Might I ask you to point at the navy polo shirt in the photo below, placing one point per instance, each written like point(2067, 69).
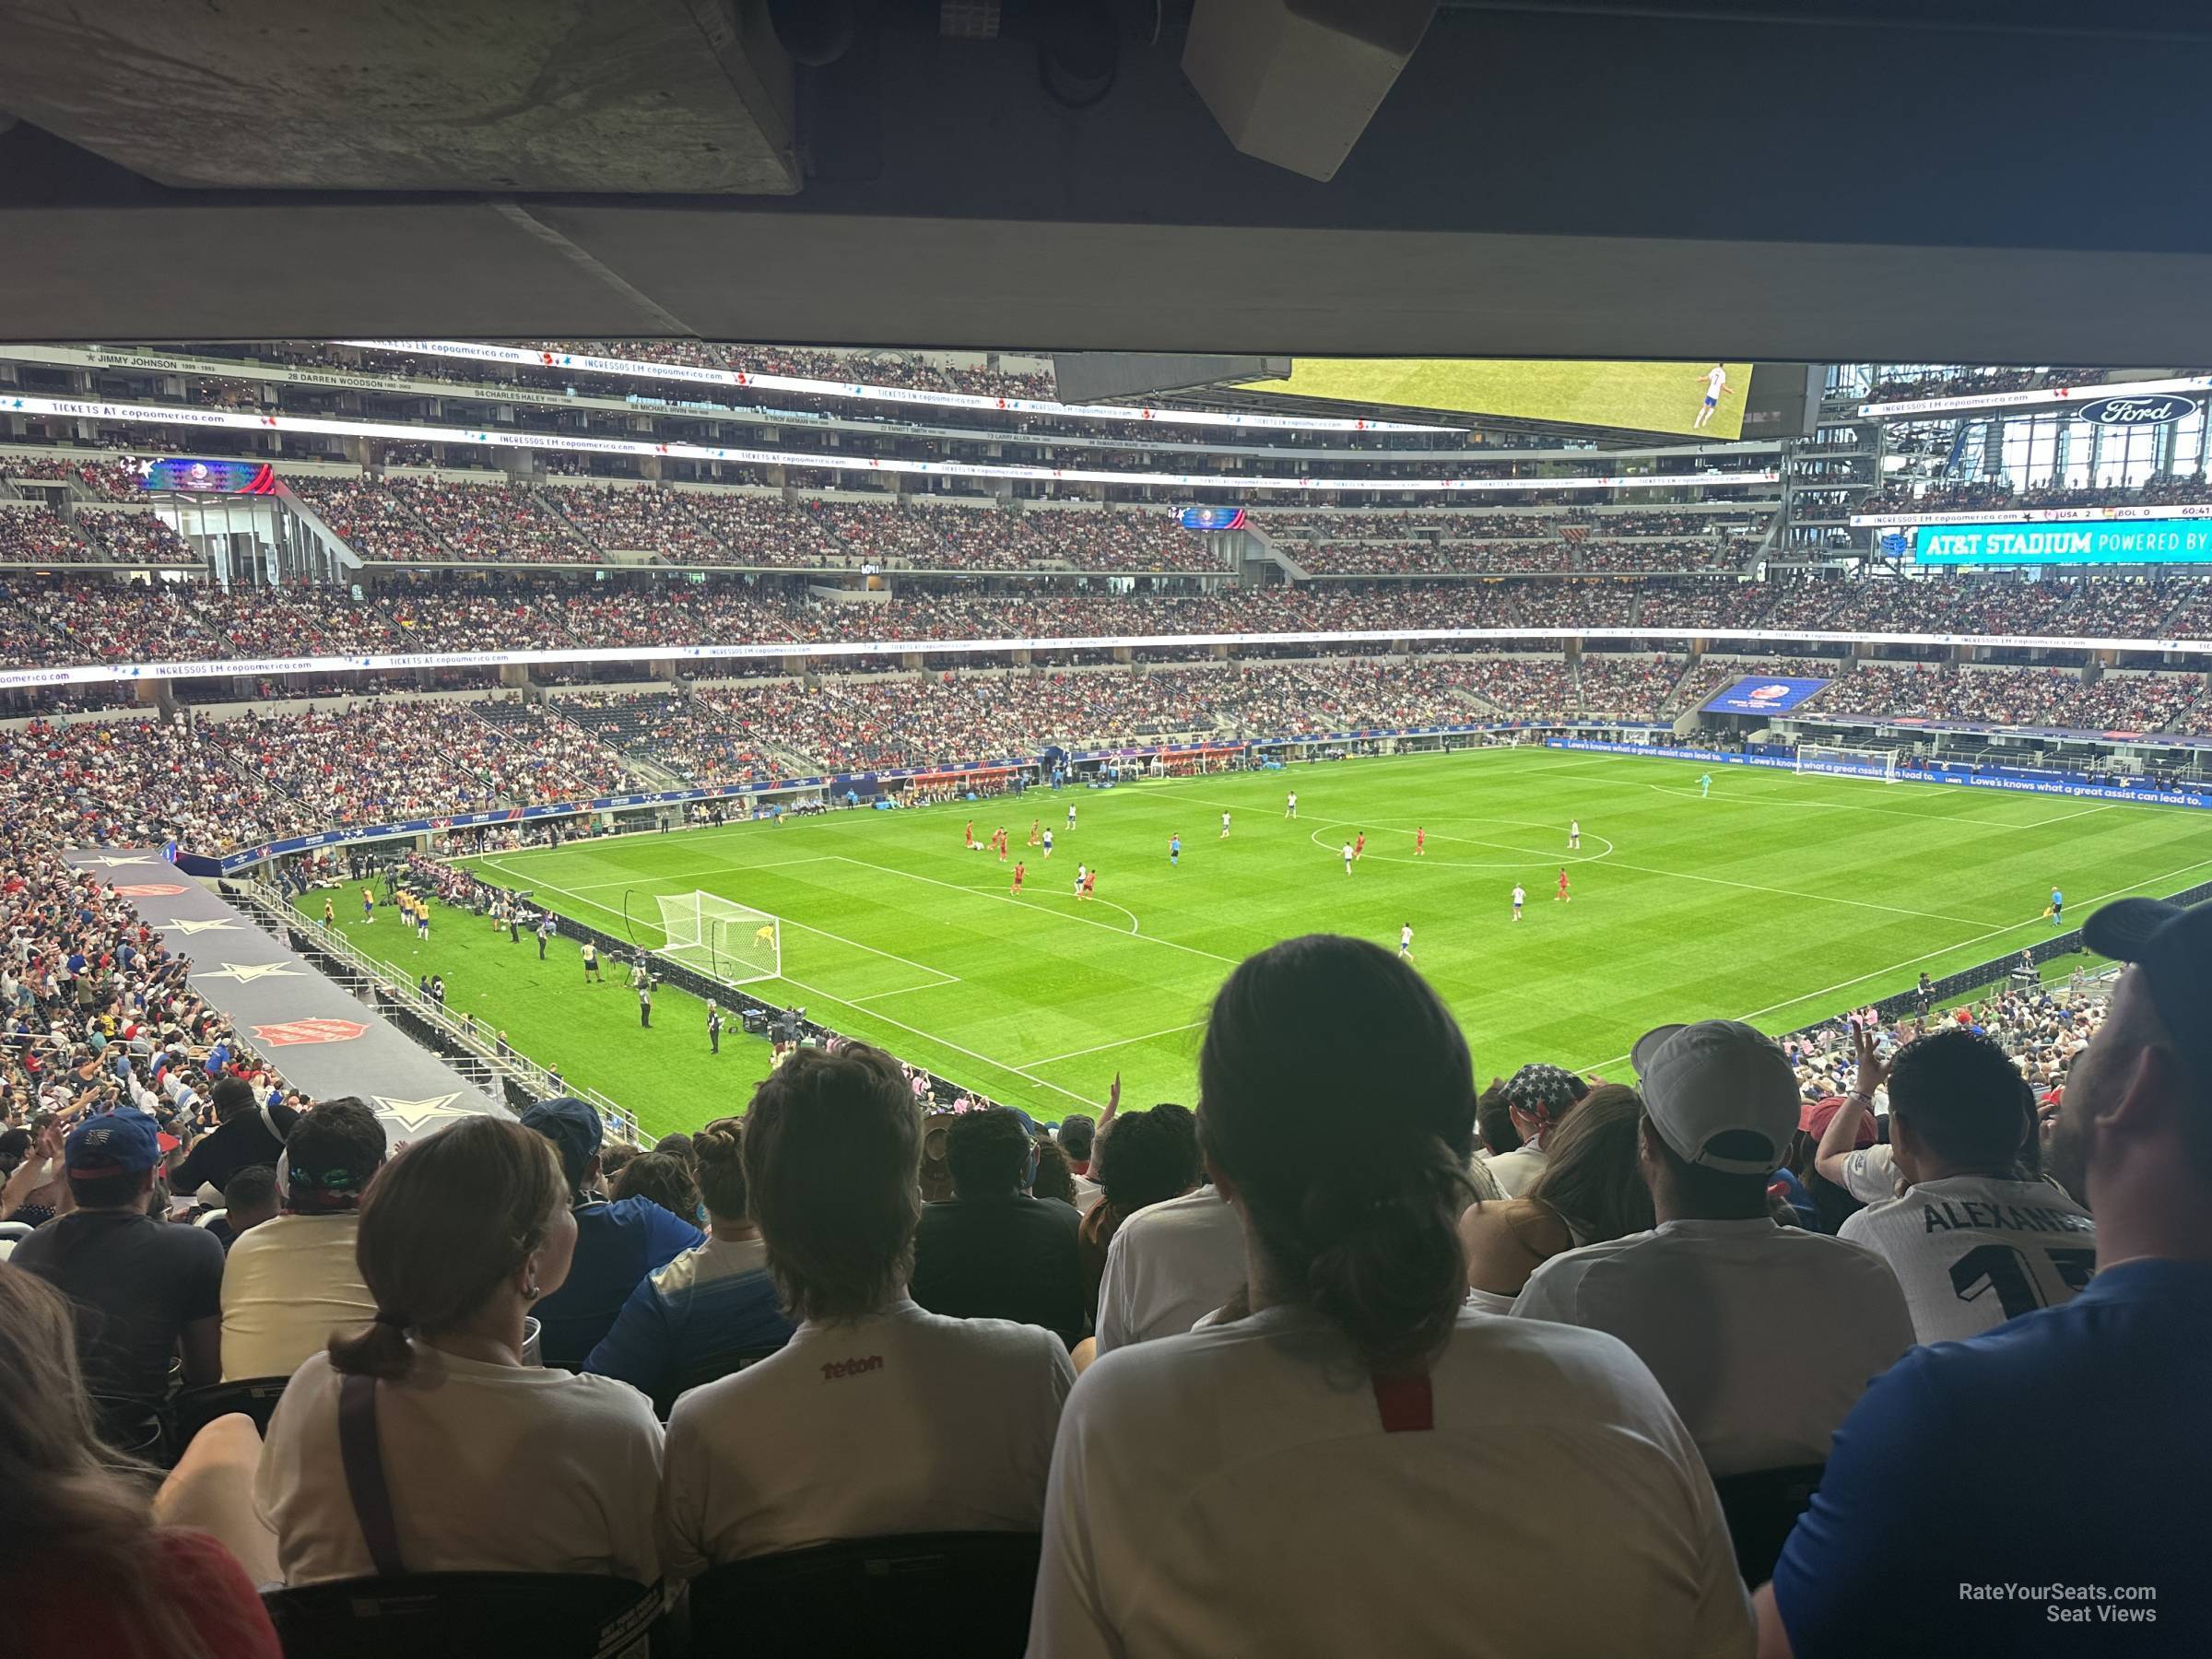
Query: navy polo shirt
point(2038, 1489)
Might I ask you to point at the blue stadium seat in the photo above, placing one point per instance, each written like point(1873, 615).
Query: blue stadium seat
point(256, 1396)
point(947, 1592)
point(468, 1616)
point(1761, 1507)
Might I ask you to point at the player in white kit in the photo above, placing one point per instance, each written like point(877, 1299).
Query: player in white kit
point(1716, 385)
point(1575, 835)
point(1405, 940)
point(1347, 858)
point(1290, 806)
point(1224, 826)
point(1520, 897)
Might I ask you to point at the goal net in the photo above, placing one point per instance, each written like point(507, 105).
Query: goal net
point(734, 942)
point(1835, 762)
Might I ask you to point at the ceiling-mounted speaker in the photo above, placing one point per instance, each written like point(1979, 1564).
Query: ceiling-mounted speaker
point(1295, 82)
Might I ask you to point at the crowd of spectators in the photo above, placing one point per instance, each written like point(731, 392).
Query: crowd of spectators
point(645, 518)
point(917, 370)
point(137, 783)
point(40, 535)
point(107, 479)
point(1714, 1317)
point(389, 759)
point(2056, 698)
point(1616, 687)
point(1973, 383)
point(83, 619)
point(1996, 494)
point(140, 538)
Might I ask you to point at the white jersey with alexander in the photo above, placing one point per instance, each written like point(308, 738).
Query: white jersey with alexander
point(1973, 1250)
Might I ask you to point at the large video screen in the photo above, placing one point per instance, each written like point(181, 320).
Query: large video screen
point(1644, 397)
point(1762, 694)
point(2136, 541)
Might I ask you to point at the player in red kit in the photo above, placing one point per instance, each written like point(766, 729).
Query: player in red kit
point(1420, 842)
point(1090, 882)
point(1359, 846)
point(1019, 871)
point(1561, 895)
point(968, 835)
point(1032, 832)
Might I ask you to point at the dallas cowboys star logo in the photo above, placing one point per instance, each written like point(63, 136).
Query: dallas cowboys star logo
point(218, 925)
point(245, 973)
point(414, 1116)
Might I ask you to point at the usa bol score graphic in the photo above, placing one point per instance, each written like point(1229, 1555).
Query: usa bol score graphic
point(1763, 694)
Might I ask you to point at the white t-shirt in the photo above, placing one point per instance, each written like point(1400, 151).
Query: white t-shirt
point(1973, 1252)
point(1763, 1336)
point(1170, 1265)
point(1716, 377)
point(1235, 1491)
point(1516, 1171)
point(492, 1468)
point(287, 1284)
point(1519, 896)
point(905, 1421)
point(1870, 1174)
point(1087, 1193)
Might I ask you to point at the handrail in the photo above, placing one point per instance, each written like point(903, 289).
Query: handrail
point(464, 1030)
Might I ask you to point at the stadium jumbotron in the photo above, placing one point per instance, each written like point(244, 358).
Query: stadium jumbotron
point(990, 914)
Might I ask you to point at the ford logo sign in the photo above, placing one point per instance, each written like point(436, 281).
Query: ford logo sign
point(2122, 411)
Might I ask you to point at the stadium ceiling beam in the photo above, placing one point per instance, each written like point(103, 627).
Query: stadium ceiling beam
point(1986, 195)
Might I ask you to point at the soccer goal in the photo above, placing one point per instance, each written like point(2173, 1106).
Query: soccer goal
point(1835, 762)
point(734, 942)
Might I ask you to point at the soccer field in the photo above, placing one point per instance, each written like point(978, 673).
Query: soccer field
point(1781, 899)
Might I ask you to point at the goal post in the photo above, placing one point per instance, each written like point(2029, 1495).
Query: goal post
point(1836, 760)
point(731, 942)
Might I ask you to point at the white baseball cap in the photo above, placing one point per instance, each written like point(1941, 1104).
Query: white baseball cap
point(1716, 1078)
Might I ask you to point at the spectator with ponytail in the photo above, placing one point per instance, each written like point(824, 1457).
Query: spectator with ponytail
point(1591, 1190)
point(1317, 1476)
point(492, 1465)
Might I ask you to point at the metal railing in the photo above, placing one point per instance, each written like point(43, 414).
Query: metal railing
point(473, 1052)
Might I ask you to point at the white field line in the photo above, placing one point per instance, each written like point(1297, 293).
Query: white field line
point(932, 1037)
point(1024, 904)
point(1927, 956)
point(1191, 1025)
point(943, 978)
point(721, 869)
point(1770, 799)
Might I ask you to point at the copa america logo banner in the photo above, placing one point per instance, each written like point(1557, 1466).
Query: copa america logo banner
point(1213, 518)
point(1763, 694)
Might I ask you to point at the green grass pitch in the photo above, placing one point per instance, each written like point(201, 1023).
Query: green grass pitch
point(1651, 397)
point(1781, 899)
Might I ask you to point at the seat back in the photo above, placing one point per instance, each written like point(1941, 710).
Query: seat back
point(1761, 1507)
point(135, 1428)
point(256, 1396)
point(465, 1616)
point(948, 1593)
